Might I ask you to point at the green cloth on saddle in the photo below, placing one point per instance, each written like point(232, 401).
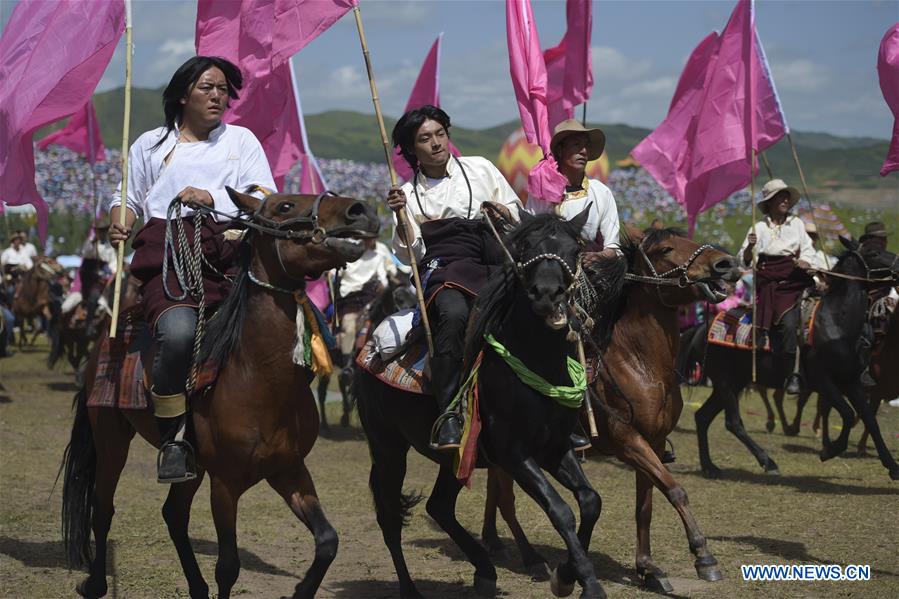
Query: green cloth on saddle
point(569, 397)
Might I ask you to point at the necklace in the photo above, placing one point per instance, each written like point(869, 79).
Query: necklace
point(418, 198)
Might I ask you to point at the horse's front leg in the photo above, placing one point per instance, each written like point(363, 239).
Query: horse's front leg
point(324, 428)
point(176, 513)
point(530, 478)
point(224, 498)
point(860, 402)
point(296, 488)
point(763, 393)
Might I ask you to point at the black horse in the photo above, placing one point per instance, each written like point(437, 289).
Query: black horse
point(832, 365)
point(525, 309)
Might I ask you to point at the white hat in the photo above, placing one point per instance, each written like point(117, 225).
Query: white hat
point(811, 229)
point(774, 186)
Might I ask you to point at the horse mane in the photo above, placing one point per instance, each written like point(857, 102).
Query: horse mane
point(224, 328)
point(495, 300)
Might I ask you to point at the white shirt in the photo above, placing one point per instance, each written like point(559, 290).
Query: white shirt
point(373, 263)
point(29, 249)
point(231, 156)
point(788, 239)
point(448, 198)
point(16, 257)
point(822, 261)
point(603, 215)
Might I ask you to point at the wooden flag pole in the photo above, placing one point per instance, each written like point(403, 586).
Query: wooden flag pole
point(755, 287)
point(808, 198)
point(120, 258)
point(402, 217)
point(767, 166)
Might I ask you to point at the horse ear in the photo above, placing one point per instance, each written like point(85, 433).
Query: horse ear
point(244, 201)
point(580, 220)
point(848, 243)
point(525, 217)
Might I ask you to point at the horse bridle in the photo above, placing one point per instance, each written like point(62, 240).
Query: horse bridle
point(665, 278)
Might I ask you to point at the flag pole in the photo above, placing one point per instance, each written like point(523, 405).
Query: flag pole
point(755, 257)
point(767, 166)
point(402, 217)
point(120, 258)
point(808, 198)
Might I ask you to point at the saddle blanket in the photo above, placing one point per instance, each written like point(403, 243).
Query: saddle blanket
point(119, 380)
point(405, 372)
point(734, 327)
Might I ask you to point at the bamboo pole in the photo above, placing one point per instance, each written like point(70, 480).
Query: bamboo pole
point(591, 419)
point(767, 166)
point(120, 258)
point(402, 216)
point(808, 198)
point(755, 287)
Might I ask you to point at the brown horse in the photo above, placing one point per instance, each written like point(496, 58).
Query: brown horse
point(638, 402)
point(258, 422)
point(32, 297)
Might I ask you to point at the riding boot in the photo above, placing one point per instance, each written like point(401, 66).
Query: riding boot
point(668, 456)
point(175, 462)
point(793, 384)
point(444, 386)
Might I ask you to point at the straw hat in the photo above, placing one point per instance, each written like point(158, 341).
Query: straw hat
point(596, 139)
point(774, 186)
point(811, 229)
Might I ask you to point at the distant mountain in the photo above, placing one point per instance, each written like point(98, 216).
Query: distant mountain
point(829, 162)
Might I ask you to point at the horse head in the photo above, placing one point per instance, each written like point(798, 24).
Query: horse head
point(683, 270)
point(869, 262)
point(546, 250)
point(296, 236)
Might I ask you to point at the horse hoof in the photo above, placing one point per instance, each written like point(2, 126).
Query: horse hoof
point(712, 472)
point(594, 593)
point(773, 471)
point(484, 587)
point(769, 426)
point(791, 431)
point(655, 582)
point(88, 589)
point(707, 569)
point(828, 454)
point(559, 587)
point(539, 572)
point(894, 474)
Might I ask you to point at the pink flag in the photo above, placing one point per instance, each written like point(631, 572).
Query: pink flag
point(569, 68)
point(529, 82)
point(81, 134)
point(425, 91)
point(246, 33)
point(694, 71)
point(298, 22)
point(888, 70)
point(52, 55)
point(701, 152)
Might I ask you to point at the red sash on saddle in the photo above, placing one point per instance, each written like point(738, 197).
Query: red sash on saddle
point(779, 285)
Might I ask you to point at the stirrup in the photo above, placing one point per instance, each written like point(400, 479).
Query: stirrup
point(189, 472)
point(445, 418)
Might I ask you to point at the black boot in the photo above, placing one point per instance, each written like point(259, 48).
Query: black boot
point(793, 384)
point(444, 385)
point(579, 443)
point(175, 462)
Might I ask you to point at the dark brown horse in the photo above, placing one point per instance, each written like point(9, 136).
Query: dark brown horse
point(259, 420)
point(33, 298)
point(639, 403)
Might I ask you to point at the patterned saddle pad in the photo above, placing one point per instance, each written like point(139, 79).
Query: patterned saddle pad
point(734, 327)
point(119, 381)
point(404, 372)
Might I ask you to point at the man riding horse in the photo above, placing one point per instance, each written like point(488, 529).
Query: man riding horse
point(192, 158)
point(784, 256)
point(456, 249)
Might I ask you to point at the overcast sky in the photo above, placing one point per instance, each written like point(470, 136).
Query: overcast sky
point(823, 55)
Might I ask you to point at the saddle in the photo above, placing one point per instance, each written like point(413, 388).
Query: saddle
point(733, 328)
point(406, 371)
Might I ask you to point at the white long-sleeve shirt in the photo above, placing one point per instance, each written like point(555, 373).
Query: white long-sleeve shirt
point(231, 156)
point(448, 198)
point(788, 239)
point(16, 257)
point(603, 215)
point(373, 263)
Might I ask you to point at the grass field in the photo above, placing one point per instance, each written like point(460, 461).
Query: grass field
point(840, 512)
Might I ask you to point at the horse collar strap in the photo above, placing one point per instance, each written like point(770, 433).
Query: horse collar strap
point(269, 286)
point(569, 397)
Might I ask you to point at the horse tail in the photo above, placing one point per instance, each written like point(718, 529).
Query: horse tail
point(399, 506)
point(79, 469)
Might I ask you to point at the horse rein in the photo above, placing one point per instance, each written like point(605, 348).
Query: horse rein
point(891, 278)
point(664, 278)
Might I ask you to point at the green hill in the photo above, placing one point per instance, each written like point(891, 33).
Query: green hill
point(832, 164)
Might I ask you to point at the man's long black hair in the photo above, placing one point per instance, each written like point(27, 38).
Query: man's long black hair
point(405, 129)
point(183, 81)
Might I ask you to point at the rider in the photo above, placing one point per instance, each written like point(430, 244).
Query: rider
point(192, 158)
point(881, 299)
point(444, 201)
point(785, 254)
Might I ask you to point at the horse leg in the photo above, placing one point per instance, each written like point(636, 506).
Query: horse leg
point(636, 451)
point(831, 396)
point(489, 536)
point(324, 428)
point(298, 490)
point(392, 507)
point(571, 476)
point(534, 563)
point(112, 439)
point(793, 429)
point(779, 404)
point(769, 421)
point(734, 424)
point(176, 513)
point(704, 417)
point(343, 383)
point(860, 403)
point(441, 507)
point(874, 406)
point(529, 477)
point(224, 499)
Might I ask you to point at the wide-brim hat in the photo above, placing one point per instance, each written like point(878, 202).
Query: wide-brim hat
point(775, 186)
point(874, 229)
point(811, 228)
point(596, 139)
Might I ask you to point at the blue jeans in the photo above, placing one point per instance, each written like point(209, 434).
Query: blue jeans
point(174, 334)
